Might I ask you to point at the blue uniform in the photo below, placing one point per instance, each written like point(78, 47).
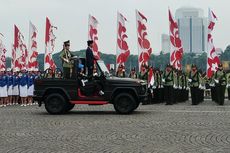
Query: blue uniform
point(23, 80)
point(9, 80)
point(3, 80)
point(16, 80)
point(30, 80)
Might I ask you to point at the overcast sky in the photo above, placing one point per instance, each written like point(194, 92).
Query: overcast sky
point(71, 18)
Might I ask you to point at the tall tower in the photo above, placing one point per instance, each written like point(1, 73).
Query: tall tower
point(192, 29)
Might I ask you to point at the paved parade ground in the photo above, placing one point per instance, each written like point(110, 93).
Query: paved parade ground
point(152, 128)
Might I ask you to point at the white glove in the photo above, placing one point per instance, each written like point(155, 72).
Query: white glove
point(154, 87)
point(203, 87)
point(187, 88)
point(189, 80)
point(180, 87)
point(174, 86)
point(163, 80)
point(228, 85)
point(66, 60)
point(200, 86)
point(162, 86)
point(217, 81)
point(184, 87)
point(151, 91)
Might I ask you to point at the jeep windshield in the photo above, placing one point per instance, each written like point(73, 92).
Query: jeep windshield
point(103, 68)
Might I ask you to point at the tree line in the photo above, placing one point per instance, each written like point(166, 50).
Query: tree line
point(157, 61)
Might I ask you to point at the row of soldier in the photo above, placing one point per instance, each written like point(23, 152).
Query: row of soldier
point(173, 86)
point(17, 87)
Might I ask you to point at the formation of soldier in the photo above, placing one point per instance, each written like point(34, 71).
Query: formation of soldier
point(172, 86)
point(17, 87)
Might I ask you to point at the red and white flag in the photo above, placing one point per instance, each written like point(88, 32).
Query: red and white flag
point(123, 51)
point(93, 35)
point(20, 50)
point(2, 54)
point(13, 58)
point(212, 57)
point(151, 77)
point(144, 48)
point(49, 46)
point(32, 49)
point(176, 49)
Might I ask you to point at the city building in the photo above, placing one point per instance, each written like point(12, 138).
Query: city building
point(165, 43)
point(192, 29)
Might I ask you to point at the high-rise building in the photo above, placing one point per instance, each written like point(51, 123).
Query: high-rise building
point(165, 43)
point(192, 29)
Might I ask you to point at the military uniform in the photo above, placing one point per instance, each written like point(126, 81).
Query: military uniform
point(202, 87)
point(168, 80)
point(228, 80)
point(213, 89)
point(194, 80)
point(156, 87)
point(161, 87)
point(133, 74)
point(67, 64)
point(220, 83)
point(120, 74)
point(176, 88)
point(184, 87)
point(143, 75)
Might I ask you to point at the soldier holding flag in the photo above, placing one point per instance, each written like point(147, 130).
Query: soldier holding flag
point(220, 82)
point(168, 80)
point(194, 81)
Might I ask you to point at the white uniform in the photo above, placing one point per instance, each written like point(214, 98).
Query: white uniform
point(10, 90)
point(31, 90)
point(15, 89)
point(23, 91)
point(23, 86)
point(3, 91)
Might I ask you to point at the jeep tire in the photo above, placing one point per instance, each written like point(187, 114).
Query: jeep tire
point(124, 103)
point(55, 104)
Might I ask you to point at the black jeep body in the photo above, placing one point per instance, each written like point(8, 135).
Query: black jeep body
point(60, 95)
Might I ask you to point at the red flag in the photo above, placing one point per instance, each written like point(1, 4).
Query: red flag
point(123, 51)
point(2, 55)
point(93, 35)
point(32, 49)
point(176, 49)
point(20, 50)
point(150, 77)
point(49, 45)
point(13, 58)
point(144, 48)
point(212, 57)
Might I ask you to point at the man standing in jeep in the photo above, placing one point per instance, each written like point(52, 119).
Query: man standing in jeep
point(65, 56)
point(90, 59)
